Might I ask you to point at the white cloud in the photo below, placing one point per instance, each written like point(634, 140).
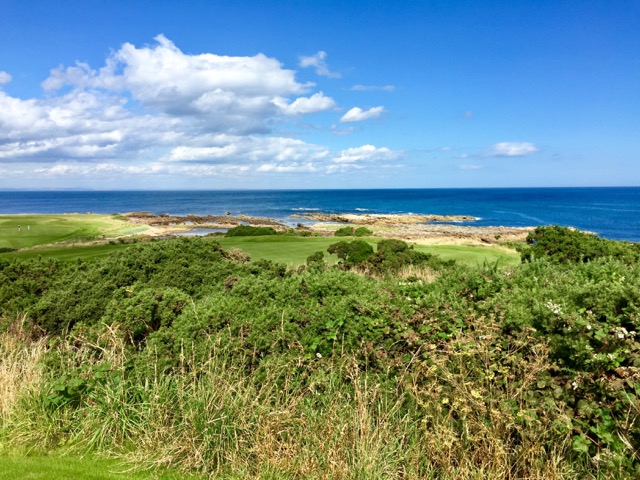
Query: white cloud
point(155, 112)
point(373, 88)
point(290, 168)
point(356, 114)
point(249, 150)
point(366, 153)
point(513, 149)
point(318, 102)
point(234, 94)
point(318, 62)
point(4, 77)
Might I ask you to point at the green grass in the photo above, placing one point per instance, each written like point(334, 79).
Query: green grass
point(277, 248)
point(65, 468)
point(70, 253)
point(472, 254)
point(27, 231)
point(295, 250)
point(59, 236)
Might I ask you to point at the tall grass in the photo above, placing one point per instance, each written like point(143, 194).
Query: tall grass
point(20, 369)
point(453, 410)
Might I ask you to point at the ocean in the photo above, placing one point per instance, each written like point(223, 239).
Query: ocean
point(611, 212)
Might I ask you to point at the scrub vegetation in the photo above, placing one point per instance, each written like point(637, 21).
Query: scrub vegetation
point(371, 360)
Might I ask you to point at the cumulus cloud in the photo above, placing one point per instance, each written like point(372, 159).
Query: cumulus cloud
point(318, 102)
point(356, 114)
point(233, 94)
point(155, 111)
point(513, 149)
point(4, 78)
point(318, 61)
point(373, 88)
point(366, 153)
point(249, 150)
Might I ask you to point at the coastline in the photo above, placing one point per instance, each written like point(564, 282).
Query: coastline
point(420, 229)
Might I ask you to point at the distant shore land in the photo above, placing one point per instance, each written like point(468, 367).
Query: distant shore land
point(426, 229)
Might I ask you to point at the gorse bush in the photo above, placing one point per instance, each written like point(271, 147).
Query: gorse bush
point(353, 232)
point(390, 256)
point(562, 244)
point(351, 253)
point(249, 231)
point(177, 353)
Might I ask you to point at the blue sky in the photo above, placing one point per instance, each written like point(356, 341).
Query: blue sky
point(318, 94)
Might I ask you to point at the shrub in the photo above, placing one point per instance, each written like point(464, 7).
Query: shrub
point(249, 231)
point(351, 253)
point(362, 232)
point(344, 232)
point(562, 244)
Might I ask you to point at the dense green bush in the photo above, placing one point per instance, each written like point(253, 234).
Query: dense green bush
point(353, 232)
point(249, 231)
point(351, 253)
point(390, 256)
point(344, 232)
point(362, 232)
point(562, 244)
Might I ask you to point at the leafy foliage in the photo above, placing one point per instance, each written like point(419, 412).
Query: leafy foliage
point(483, 362)
point(562, 244)
point(351, 253)
point(344, 232)
point(353, 232)
point(249, 231)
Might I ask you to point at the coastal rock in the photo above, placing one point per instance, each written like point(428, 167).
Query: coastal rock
point(212, 221)
point(381, 220)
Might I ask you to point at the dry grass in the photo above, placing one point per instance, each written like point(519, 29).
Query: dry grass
point(20, 372)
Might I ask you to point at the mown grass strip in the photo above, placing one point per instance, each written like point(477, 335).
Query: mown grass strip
point(65, 468)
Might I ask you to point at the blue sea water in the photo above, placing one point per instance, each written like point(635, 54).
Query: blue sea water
point(611, 212)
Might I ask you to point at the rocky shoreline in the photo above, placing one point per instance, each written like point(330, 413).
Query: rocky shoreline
point(425, 229)
point(381, 219)
point(213, 221)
